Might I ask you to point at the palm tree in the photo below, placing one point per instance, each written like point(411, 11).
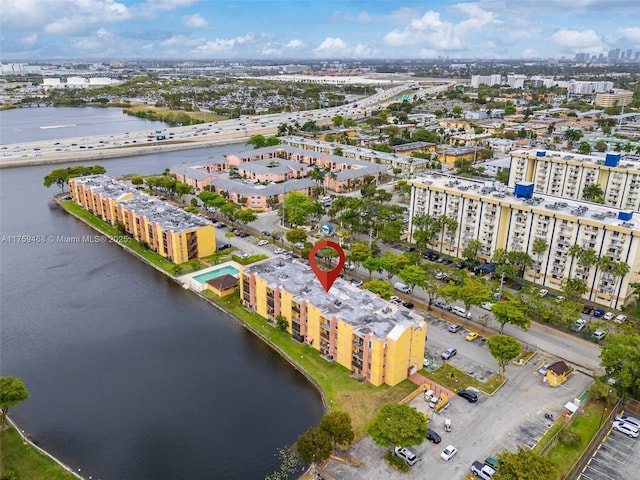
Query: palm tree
point(604, 264)
point(574, 252)
point(620, 270)
point(447, 224)
point(539, 247)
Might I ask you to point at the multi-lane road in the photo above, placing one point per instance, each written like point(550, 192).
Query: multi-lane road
point(188, 137)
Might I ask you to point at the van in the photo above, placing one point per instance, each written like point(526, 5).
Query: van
point(401, 287)
point(460, 311)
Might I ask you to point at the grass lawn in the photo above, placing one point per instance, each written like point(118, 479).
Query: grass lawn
point(25, 462)
point(450, 377)
point(360, 399)
point(111, 231)
point(586, 425)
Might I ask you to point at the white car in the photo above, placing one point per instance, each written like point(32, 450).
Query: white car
point(629, 419)
point(620, 318)
point(544, 292)
point(262, 243)
point(608, 316)
point(278, 251)
point(626, 428)
point(407, 455)
point(395, 300)
point(448, 452)
point(486, 305)
point(599, 334)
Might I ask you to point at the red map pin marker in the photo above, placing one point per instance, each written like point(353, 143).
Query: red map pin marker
point(326, 277)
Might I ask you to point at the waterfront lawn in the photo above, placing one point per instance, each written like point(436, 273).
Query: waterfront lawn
point(167, 114)
point(586, 426)
point(20, 461)
point(450, 377)
point(110, 231)
point(360, 399)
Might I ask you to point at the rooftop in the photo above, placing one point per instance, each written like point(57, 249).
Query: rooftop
point(367, 312)
point(543, 204)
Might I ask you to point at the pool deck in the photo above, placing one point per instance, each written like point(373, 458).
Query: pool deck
point(189, 280)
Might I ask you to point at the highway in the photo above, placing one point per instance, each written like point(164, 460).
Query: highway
point(188, 137)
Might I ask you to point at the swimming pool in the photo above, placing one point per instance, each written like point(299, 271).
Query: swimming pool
point(228, 270)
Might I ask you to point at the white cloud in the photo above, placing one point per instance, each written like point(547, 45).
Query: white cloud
point(224, 45)
point(29, 40)
point(530, 53)
point(195, 21)
point(295, 43)
point(335, 47)
point(427, 30)
point(577, 40)
point(631, 33)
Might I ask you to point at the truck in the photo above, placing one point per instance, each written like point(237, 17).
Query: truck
point(482, 470)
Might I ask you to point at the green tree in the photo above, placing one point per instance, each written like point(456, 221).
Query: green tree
point(379, 287)
point(412, 275)
point(137, 180)
point(600, 146)
point(372, 264)
point(258, 141)
point(182, 189)
point(619, 270)
point(470, 252)
point(272, 141)
point(584, 148)
point(539, 248)
point(245, 216)
point(593, 193)
point(525, 464)
point(298, 207)
point(572, 136)
point(503, 176)
point(338, 427)
point(398, 425)
point(296, 235)
point(314, 446)
point(504, 349)
point(392, 263)
point(359, 253)
point(12, 392)
point(620, 357)
point(511, 312)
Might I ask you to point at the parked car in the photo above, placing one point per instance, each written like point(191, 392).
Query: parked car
point(544, 292)
point(587, 310)
point(620, 318)
point(265, 233)
point(442, 304)
point(448, 353)
point(407, 304)
point(628, 419)
point(407, 455)
point(608, 316)
point(469, 395)
point(298, 245)
point(598, 312)
point(395, 300)
point(262, 243)
point(579, 325)
point(356, 282)
point(278, 251)
point(433, 437)
point(626, 428)
point(223, 246)
point(471, 336)
point(454, 327)
point(599, 334)
point(486, 305)
point(448, 452)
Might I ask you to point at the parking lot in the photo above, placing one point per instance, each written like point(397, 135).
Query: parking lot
point(616, 457)
point(513, 416)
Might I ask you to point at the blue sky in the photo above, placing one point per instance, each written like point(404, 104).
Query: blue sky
point(275, 29)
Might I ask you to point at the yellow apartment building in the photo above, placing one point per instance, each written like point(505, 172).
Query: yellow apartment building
point(372, 338)
point(566, 174)
point(175, 234)
point(494, 215)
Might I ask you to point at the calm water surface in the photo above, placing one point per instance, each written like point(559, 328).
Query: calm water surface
point(130, 376)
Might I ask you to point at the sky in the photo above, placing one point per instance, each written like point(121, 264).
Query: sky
point(314, 29)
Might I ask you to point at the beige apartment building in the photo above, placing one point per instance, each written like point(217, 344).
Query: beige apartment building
point(616, 98)
point(493, 214)
point(566, 174)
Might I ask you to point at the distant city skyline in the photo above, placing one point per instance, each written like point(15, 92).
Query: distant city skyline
point(275, 29)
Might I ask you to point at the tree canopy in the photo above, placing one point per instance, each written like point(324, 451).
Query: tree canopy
point(503, 349)
point(620, 357)
point(61, 176)
point(512, 312)
point(338, 427)
point(398, 425)
point(314, 445)
point(12, 392)
point(298, 207)
point(379, 287)
point(525, 463)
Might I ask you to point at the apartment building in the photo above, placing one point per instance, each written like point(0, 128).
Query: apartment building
point(512, 218)
point(566, 174)
point(374, 339)
point(175, 234)
point(614, 98)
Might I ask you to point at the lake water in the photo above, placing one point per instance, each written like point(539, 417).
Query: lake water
point(130, 376)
